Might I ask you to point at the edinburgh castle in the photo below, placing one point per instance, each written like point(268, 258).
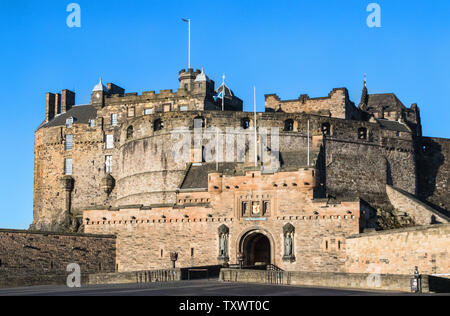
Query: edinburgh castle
point(336, 174)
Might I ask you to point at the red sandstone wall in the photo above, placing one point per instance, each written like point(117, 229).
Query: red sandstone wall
point(146, 237)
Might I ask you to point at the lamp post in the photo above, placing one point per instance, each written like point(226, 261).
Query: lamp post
point(240, 258)
point(416, 281)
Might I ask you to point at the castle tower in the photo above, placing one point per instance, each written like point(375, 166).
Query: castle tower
point(187, 78)
point(98, 94)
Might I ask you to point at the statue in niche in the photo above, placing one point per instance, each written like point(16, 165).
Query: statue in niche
point(288, 246)
point(224, 233)
point(288, 232)
point(224, 245)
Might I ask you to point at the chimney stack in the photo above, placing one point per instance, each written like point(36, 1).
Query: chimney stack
point(68, 100)
point(57, 103)
point(50, 107)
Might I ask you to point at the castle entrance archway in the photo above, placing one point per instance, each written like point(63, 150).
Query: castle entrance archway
point(256, 248)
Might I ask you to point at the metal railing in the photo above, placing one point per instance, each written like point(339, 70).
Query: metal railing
point(272, 267)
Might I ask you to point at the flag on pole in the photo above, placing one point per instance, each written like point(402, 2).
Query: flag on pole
point(219, 95)
point(184, 20)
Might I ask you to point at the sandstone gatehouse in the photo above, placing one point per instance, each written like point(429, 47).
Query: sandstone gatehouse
point(107, 168)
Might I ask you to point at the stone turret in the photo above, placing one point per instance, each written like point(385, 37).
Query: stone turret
point(187, 78)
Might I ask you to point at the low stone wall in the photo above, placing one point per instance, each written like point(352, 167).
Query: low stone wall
point(397, 283)
point(400, 251)
point(41, 258)
point(421, 213)
point(136, 277)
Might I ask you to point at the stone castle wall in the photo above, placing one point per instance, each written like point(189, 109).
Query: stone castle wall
point(40, 258)
point(420, 213)
point(337, 105)
point(433, 160)
point(145, 171)
point(359, 168)
point(145, 243)
point(88, 170)
point(400, 251)
point(147, 235)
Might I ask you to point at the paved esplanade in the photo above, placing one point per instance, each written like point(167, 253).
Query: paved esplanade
point(185, 288)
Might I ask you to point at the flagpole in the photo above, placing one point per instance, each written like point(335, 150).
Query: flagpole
point(308, 146)
point(217, 150)
point(223, 93)
point(188, 21)
point(189, 54)
point(256, 136)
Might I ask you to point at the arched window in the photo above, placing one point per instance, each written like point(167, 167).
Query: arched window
point(362, 133)
point(245, 123)
point(203, 154)
point(158, 125)
point(130, 132)
point(326, 129)
point(288, 125)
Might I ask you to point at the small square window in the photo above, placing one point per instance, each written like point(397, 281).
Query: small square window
point(148, 111)
point(91, 123)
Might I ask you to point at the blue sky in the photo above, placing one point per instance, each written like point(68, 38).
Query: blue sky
point(284, 47)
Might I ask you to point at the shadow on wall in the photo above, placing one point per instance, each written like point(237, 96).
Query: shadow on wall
point(200, 273)
point(430, 160)
point(388, 173)
point(439, 285)
point(320, 189)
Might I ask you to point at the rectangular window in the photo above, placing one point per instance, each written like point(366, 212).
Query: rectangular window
point(148, 111)
point(69, 142)
point(167, 107)
point(92, 123)
point(68, 167)
point(131, 112)
point(183, 108)
point(108, 164)
point(114, 119)
point(109, 141)
point(192, 252)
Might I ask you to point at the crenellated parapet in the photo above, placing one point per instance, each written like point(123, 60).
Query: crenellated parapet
point(336, 104)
